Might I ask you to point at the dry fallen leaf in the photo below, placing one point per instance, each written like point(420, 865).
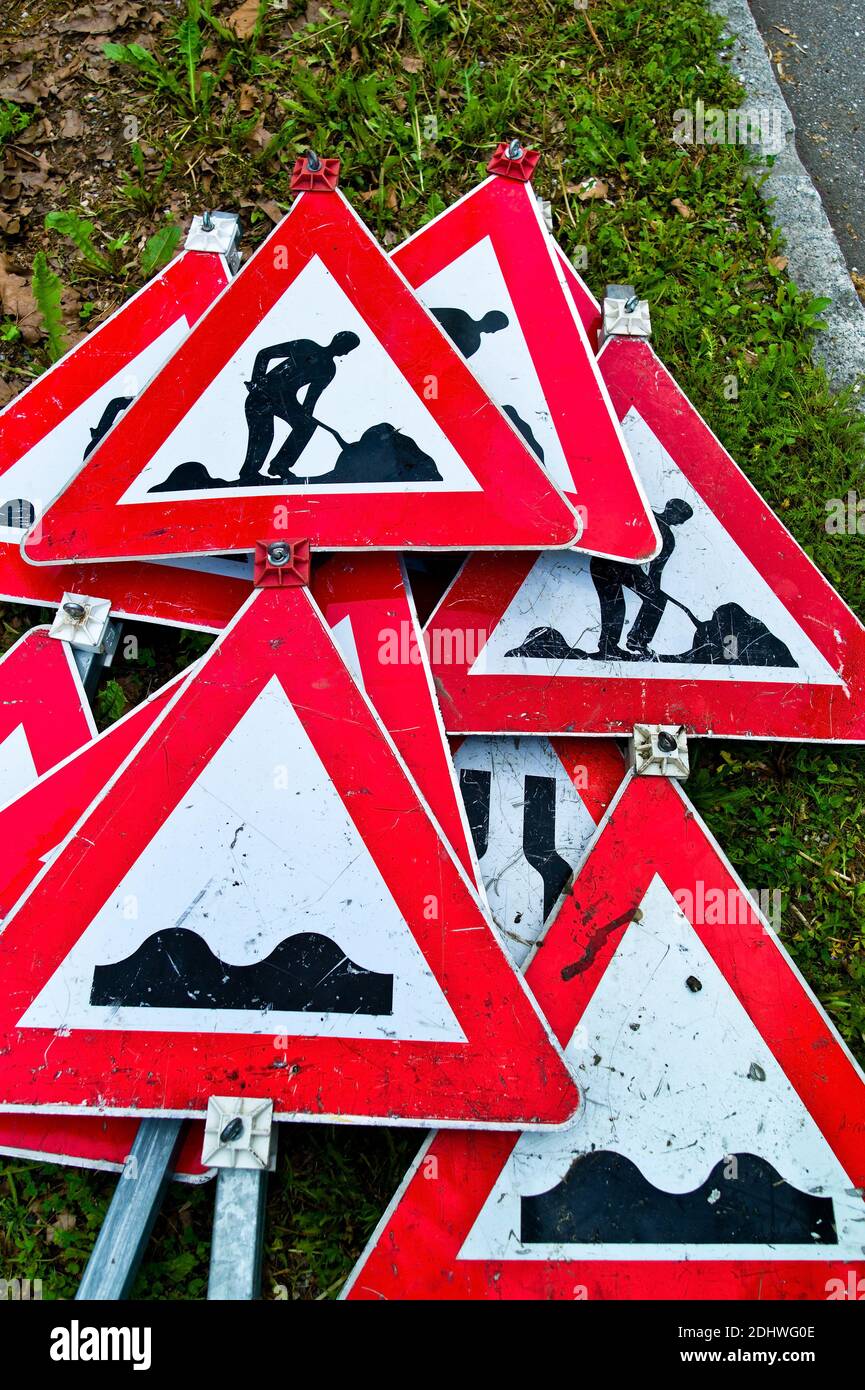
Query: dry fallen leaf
point(259, 138)
point(779, 262)
point(244, 19)
point(411, 63)
point(72, 127)
point(271, 209)
point(682, 208)
point(316, 12)
point(7, 392)
point(65, 1222)
point(18, 303)
point(9, 224)
point(859, 283)
point(591, 188)
point(96, 19)
point(15, 85)
point(246, 99)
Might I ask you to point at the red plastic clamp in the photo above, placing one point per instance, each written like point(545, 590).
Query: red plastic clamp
point(281, 564)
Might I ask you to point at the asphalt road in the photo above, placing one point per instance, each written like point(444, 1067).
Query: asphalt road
point(820, 64)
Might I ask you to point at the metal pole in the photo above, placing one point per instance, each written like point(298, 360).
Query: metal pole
point(121, 1242)
point(238, 1234)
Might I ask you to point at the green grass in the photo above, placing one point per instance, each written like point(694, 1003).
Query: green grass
point(366, 84)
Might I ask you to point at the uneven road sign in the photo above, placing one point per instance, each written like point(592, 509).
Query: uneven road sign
point(31, 829)
point(490, 273)
point(533, 806)
point(731, 631)
point(44, 712)
point(49, 429)
point(259, 902)
point(367, 603)
point(393, 445)
point(719, 1150)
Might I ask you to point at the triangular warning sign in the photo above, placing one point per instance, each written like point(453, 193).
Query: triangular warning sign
point(49, 429)
point(316, 381)
point(718, 1152)
point(367, 603)
point(533, 807)
point(365, 981)
point(44, 712)
point(490, 273)
point(730, 630)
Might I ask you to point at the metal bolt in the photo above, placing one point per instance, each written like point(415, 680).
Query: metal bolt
point(313, 163)
point(666, 742)
point(279, 553)
point(693, 984)
point(76, 611)
point(631, 304)
point(515, 149)
point(206, 222)
point(232, 1131)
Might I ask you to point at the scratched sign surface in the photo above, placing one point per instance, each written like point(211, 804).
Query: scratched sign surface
point(367, 603)
point(259, 897)
point(533, 807)
point(32, 826)
point(491, 275)
point(730, 630)
point(44, 712)
point(718, 1152)
point(316, 397)
point(48, 431)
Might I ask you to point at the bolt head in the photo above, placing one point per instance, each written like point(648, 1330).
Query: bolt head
point(76, 611)
point(666, 742)
point(279, 553)
point(232, 1131)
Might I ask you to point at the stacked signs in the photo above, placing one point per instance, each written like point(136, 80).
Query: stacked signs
point(277, 878)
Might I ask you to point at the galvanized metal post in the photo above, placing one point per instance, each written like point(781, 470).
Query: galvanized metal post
point(121, 1243)
point(238, 1234)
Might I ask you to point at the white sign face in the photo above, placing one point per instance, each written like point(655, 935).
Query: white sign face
point(688, 1123)
point(698, 611)
point(310, 395)
point(530, 829)
point(17, 768)
point(343, 635)
point(40, 474)
point(470, 299)
point(258, 873)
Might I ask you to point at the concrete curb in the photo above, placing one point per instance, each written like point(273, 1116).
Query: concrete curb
point(816, 262)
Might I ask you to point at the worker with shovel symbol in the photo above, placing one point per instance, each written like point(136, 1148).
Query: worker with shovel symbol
point(612, 577)
point(273, 395)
